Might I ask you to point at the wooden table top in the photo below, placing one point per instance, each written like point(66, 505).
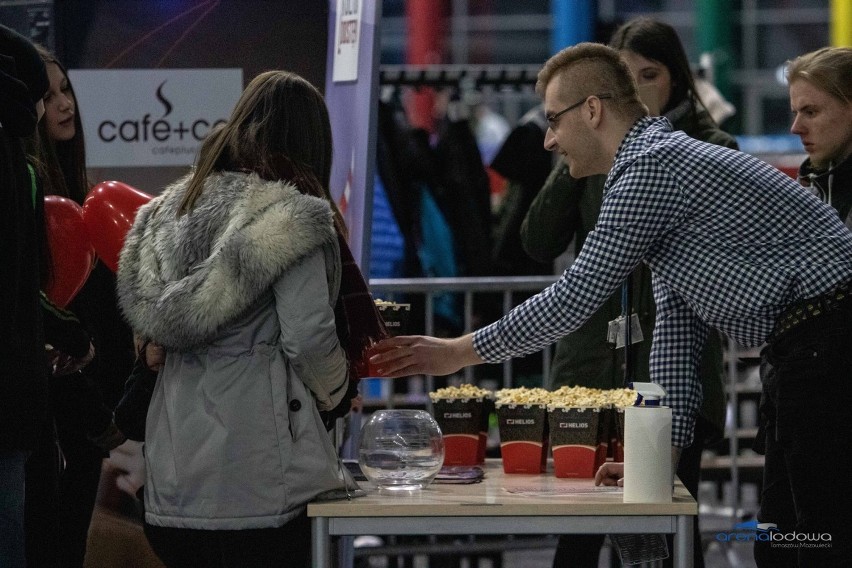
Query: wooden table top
point(501, 494)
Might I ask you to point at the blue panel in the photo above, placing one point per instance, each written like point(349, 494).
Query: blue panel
point(573, 22)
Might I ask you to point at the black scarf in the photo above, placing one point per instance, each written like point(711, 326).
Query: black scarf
point(359, 325)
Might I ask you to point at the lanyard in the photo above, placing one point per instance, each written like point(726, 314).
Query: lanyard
point(33, 183)
point(626, 311)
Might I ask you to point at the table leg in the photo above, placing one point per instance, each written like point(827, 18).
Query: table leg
point(683, 545)
point(346, 548)
point(320, 543)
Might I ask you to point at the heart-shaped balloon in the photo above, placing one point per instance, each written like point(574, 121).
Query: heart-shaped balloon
point(108, 212)
point(71, 252)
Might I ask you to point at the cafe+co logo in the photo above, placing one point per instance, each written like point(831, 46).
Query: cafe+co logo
point(176, 135)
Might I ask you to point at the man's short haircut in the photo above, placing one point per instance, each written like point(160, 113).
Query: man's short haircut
point(828, 69)
point(589, 69)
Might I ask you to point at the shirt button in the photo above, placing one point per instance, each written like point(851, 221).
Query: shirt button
point(295, 405)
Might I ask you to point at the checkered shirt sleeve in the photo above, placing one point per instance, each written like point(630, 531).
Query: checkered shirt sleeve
point(731, 241)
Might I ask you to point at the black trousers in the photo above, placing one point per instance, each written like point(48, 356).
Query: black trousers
point(289, 546)
point(582, 551)
point(78, 489)
point(805, 413)
point(41, 505)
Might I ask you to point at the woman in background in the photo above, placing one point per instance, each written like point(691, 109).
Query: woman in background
point(235, 270)
point(566, 208)
point(82, 403)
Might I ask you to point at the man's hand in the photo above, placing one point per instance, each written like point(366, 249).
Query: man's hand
point(422, 355)
point(63, 364)
point(128, 462)
point(610, 474)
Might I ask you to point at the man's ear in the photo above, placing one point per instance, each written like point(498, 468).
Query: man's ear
point(593, 112)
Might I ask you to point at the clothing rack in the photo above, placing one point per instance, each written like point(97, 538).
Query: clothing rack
point(464, 76)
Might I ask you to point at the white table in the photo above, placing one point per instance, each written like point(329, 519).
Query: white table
point(503, 504)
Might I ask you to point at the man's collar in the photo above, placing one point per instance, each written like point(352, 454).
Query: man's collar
point(627, 150)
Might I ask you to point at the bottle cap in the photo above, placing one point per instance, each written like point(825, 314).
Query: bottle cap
point(650, 393)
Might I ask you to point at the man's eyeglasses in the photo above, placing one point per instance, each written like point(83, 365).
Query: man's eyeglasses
point(553, 119)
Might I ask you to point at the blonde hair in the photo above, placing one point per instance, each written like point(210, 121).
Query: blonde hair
point(829, 69)
point(589, 69)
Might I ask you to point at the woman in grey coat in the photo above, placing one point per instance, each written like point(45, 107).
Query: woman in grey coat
point(235, 270)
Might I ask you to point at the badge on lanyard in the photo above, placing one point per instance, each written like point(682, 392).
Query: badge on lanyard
point(618, 334)
point(616, 331)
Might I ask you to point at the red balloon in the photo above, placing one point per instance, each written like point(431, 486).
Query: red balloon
point(71, 253)
point(108, 213)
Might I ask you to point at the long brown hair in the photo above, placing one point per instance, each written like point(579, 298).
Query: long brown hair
point(659, 42)
point(61, 164)
point(279, 130)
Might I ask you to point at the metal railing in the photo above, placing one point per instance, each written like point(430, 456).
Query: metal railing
point(468, 286)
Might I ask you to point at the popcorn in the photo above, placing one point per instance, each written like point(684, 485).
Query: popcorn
point(522, 395)
point(575, 421)
point(464, 391)
point(562, 397)
point(621, 398)
point(578, 396)
point(591, 397)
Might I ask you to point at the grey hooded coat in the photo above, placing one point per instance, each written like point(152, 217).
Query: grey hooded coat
point(240, 292)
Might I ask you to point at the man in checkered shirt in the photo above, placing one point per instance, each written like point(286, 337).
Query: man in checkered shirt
point(732, 243)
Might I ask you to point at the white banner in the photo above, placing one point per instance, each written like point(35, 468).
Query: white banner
point(151, 117)
point(347, 40)
point(353, 110)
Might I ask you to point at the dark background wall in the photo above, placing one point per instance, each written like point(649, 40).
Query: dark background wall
point(254, 35)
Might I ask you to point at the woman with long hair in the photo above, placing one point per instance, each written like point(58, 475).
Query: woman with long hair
point(82, 403)
point(658, 62)
point(235, 270)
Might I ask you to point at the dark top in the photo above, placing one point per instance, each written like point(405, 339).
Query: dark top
point(24, 415)
point(832, 185)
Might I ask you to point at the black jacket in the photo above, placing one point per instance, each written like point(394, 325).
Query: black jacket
point(30, 319)
point(833, 185)
point(24, 415)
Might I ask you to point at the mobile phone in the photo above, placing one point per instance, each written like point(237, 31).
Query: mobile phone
point(354, 470)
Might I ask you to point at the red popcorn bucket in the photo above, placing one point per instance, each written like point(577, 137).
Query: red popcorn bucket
point(576, 434)
point(461, 422)
point(488, 408)
point(523, 437)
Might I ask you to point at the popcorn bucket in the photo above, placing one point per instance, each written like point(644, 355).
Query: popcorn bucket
point(395, 316)
point(461, 421)
point(488, 408)
point(523, 437)
point(579, 439)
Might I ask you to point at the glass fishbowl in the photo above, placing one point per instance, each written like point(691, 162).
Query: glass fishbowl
point(401, 450)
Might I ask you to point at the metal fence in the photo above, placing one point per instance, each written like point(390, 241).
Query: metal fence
point(468, 287)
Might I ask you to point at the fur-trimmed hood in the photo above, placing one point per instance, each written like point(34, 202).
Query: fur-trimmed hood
point(180, 280)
